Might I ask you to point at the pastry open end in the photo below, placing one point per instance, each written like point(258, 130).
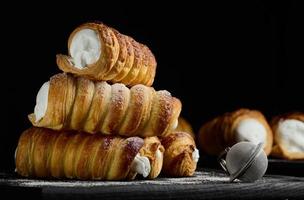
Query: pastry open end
point(76, 103)
point(288, 132)
point(66, 154)
point(230, 128)
point(101, 53)
point(181, 155)
point(154, 151)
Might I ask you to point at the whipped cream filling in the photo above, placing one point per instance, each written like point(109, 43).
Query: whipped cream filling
point(85, 48)
point(290, 133)
point(251, 130)
point(195, 155)
point(175, 124)
point(41, 101)
point(158, 154)
point(141, 165)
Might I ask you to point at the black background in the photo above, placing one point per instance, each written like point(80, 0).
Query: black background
point(215, 57)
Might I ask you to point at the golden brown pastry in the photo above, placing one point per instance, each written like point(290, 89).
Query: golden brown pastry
point(99, 52)
point(46, 153)
point(181, 155)
point(288, 132)
point(233, 127)
point(154, 151)
point(70, 103)
point(184, 126)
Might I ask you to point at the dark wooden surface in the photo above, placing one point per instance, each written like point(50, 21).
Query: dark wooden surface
point(206, 184)
point(275, 166)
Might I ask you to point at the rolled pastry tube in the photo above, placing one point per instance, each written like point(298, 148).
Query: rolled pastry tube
point(288, 132)
point(241, 125)
point(181, 155)
point(76, 103)
point(47, 153)
point(101, 53)
point(154, 151)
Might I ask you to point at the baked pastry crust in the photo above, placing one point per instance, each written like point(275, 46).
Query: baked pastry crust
point(154, 151)
point(178, 159)
point(65, 154)
point(77, 103)
point(122, 59)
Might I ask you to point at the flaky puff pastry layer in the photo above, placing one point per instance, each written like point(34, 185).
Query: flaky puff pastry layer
point(122, 59)
point(154, 151)
point(184, 126)
point(77, 103)
point(178, 157)
point(219, 133)
point(278, 149)
point(46, 153)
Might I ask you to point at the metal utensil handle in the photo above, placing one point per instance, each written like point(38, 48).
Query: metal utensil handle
point(221, 159)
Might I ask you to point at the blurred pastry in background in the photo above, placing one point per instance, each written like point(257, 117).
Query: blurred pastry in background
point(184, 126)
point(230, 128)
point(288, 132)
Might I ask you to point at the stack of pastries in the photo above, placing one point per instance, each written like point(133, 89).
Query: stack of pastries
point(100, 119)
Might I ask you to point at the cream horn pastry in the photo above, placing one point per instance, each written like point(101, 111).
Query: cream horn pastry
point(181, 155)
point(65, 154)
point(288, 130)
point(67, 102)
point(154, 151)
point(101, 53)
point(230, 128)
point(184, 126)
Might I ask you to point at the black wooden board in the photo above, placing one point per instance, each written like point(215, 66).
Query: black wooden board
point(275, 166)
point(205, 184)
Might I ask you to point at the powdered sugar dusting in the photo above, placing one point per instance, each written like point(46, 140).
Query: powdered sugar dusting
point(198, 178)
point(120, 95)
point(138, 94)
point(164, 92)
